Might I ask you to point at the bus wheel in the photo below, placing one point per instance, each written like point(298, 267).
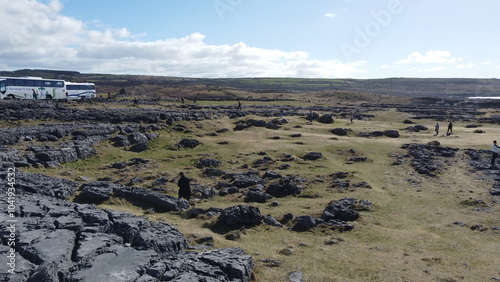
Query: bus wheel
point(11, 97)
point(48, 97)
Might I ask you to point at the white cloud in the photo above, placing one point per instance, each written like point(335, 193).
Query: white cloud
point(330, 15)
point(191, 56)
point(34, 33)
point(434, 69)
point(430, 57)
point(386, 67)
point(37, 35)
point(463, 66)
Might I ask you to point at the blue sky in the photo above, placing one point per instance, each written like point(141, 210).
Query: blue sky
point(255, 38)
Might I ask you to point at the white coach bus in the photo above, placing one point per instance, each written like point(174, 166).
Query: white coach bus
point(83, 90)
point(32, 88)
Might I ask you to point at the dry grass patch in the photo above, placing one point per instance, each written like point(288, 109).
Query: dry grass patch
point(410, 235)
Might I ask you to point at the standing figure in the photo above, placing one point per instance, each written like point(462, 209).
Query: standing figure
point(184, 186)
point(239, 106)
point(436, 128)
point(35, 95)
point(494, 155)
point(450, 129)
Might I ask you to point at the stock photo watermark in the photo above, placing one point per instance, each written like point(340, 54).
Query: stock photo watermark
point(11, 205)
point(224, 6)
point(364, 36)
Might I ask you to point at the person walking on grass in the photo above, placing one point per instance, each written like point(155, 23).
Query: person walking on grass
point(436, 128)
point(184, 186)
point(494, 155)
point(450, 129)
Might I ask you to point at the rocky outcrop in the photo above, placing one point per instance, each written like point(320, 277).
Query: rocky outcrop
point(258, 197)
point(241, 125)
point(208, 162)
point(339, 131)
point(426, 158)
point(22, 110)
point(273, 124)
point(312, 156)
point(56, 240)
point(335, 215)
point(417, 128)
point(326, 118)
point(287, 186)
point(97, 192)
point(391, 133)
point(480, 160)
point(245, 180)
point(39, 184)
point(150, 199)
point(241, 215)
point(57, 151)
point(188, 143)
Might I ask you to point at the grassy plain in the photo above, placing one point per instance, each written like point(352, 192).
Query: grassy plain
point(410, 234)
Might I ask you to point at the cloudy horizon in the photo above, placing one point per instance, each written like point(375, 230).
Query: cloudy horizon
point(238, 38)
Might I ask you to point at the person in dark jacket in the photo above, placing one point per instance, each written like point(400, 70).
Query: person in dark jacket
point(494, 149)
point(450, 129)
point(184, 186)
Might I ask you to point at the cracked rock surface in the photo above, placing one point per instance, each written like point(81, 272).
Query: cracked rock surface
point(57, 240)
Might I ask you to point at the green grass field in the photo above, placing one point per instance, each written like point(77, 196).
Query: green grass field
point(408, 236)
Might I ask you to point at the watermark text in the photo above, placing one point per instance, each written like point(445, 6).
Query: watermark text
point(223, 6)
point(373, 28)
point(12, 221)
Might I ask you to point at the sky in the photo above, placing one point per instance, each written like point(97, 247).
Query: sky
point(254, 38)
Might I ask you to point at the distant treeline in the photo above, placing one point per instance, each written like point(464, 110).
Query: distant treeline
point(39, 72)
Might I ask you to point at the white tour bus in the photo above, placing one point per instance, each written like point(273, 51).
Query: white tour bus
point(32, 88)
point(83, 90)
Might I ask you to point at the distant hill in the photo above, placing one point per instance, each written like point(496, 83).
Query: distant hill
point(38, 73)
point(401, 87)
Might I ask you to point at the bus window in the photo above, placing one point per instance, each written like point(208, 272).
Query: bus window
point(38, 83)
point(19, 82)
point(3, 87)
point(29, 82)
